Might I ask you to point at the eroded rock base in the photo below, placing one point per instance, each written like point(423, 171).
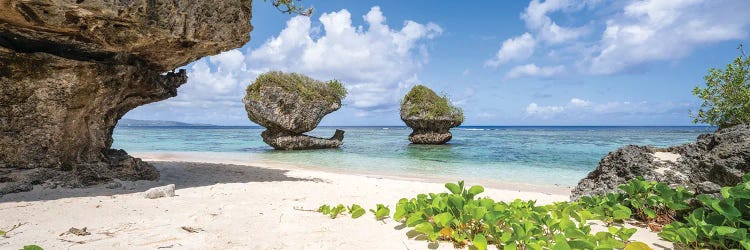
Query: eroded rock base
point(289, 141)
point(118, 165)
point(430, 137)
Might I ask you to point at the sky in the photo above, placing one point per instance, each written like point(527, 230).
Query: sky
point(506, 63)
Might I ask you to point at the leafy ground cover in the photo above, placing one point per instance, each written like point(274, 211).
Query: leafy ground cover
point(462, 217)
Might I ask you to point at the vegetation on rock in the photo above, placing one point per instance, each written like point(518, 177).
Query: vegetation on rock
point(422, 101)
point(306, 87)
point(291, 7)
point(726, 97)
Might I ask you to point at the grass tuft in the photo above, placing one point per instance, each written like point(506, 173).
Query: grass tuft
point(307, 87)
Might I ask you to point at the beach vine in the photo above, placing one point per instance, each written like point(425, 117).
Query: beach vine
point(461, 217)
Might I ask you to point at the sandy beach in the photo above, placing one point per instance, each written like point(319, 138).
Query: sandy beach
point(229, 206)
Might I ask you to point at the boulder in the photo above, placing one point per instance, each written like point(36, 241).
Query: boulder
point(69, 70)
point(429, 115)
point(290, 104)
point(713, 161)
point(160, 192)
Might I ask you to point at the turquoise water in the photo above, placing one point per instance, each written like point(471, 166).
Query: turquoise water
point(539, 155)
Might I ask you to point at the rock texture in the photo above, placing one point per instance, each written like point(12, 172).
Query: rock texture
point(69, 70)
point(430, 116)
point(714, 160)
point(287, 113)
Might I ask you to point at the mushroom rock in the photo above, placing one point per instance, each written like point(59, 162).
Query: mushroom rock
point(429, 115)
point(289, 105)
point(69, 70)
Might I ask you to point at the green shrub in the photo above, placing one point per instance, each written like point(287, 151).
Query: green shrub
point(306, 87)
point(726, 98)
point(427, 102)
point(722, 223)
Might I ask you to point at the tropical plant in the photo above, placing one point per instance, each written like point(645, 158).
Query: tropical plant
point(722, 223)
point(32, 247)
point(726, 97)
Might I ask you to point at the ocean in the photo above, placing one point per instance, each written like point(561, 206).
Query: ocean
point(534, 155)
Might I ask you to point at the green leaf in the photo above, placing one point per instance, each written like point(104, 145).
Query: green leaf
point(621, 212)
point(443, 219)
point(475, 190)
point(382, 212)
point(358, 212)
point(425, 228)
point(2, 233)
point(561, 243)
point(637, 245)
point(726, 209)
point(724, 230)
point(414, 219)
point(32, 247)
point(581, 244)
point(453, 188)
point(480, 242)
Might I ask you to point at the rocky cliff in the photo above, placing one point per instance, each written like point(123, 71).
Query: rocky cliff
point(429, 115)
point(290, 104)
point(69, 70)
point(714, 160)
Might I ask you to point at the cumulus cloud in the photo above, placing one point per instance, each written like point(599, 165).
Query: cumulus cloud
point(532, 70)
point(654, 30)
point(618, 36)
point(514, 49)
point(536, 17)
point(376, 64)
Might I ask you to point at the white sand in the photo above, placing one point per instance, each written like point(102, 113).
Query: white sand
point(233, 207)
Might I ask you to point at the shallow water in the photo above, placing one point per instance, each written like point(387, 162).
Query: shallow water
point(536, 155)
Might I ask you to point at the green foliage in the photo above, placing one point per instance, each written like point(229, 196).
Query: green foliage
point(334, 211)
point(2, 233)
point(306, 87)
point(381, 211)
point(726, 97)
point(32, 247)
point(461, 217)
point(427, 102)
point(722, 223)
point(654, 201)
point(354, 210)
point(291, 7)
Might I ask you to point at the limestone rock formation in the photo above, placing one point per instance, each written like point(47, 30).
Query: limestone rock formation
point(714, 160)
point(430, 116)
point(69, 70)
point(290, 104)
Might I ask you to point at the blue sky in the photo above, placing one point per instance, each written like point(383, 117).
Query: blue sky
point(554, 62)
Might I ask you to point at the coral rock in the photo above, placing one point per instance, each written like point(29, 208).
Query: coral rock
point(430, 116)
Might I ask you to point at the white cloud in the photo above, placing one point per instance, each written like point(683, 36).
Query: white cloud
point(544, 111)
point(532, 70)
point(536, 17)
point(376, 64)
point(579, 109)
point(603, 37)
point(655, 30)
point(514, 49)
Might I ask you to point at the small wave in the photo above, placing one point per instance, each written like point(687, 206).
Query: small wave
point(475, 129)
point(386, 128)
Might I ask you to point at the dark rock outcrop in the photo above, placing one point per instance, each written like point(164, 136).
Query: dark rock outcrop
point(714, 160)
point(289, 105)
point(69, 70)
point(430, 116)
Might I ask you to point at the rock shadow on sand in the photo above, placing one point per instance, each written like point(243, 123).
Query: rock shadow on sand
point(182, 174)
